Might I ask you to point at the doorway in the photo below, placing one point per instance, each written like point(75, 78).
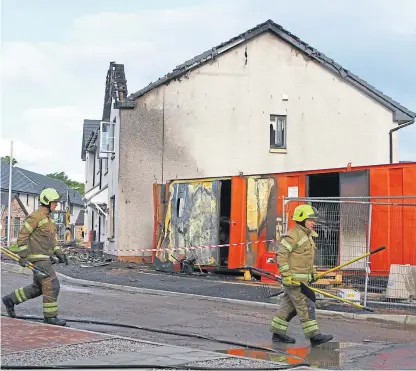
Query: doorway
point(323, 185)
point(326, 185)
point(225, 217)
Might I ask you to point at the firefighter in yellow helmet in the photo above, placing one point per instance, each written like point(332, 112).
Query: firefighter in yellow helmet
point(295, 257)
point(37, 243)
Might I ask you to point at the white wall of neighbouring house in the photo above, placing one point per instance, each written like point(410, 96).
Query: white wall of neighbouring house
point(29, 201)
point(112, 245)
point(106, 192)
point(215, 122)
point(94, 191)
point(75, 213)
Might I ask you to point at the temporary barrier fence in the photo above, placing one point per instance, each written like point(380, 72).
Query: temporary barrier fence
point(167, 250)
point(351, 226)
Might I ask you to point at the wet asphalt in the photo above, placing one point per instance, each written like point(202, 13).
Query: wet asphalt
point(356, 345)
point(136, 275)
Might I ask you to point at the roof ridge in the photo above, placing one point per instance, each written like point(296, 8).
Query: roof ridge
point(400, 113)
point(31, 180)
point(42, 182)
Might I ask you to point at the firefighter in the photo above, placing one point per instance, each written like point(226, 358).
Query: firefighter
point(295, 257)
point(37, 243)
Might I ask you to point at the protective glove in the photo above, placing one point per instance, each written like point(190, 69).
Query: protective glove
point(288, 281)
point(22, 262)
point(63, 258)
point(313, 278)
point(314, 275)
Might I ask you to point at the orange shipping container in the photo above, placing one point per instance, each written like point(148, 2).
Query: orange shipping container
point(253, 203)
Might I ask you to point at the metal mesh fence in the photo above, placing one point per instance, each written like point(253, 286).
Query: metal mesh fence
point(351, 227)
point(14, 232)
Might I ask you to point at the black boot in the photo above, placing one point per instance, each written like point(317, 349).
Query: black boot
point(8, 303)
point(279, 338)
point(320, 339)
point(54, 321)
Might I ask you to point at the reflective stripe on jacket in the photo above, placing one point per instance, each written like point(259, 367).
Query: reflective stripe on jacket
point(37, 237)
point(296, 253)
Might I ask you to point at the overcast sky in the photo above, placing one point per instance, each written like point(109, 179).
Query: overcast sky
point(55, 55)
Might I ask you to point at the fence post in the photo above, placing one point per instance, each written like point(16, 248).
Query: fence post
point(283, 215)
point(9, 209)
point(367, 259)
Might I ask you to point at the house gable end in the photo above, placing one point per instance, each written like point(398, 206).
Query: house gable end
point(400, 113)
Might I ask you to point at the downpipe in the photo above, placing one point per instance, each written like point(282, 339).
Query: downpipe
point(408, 123)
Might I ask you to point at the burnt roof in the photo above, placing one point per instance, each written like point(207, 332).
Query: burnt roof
point(400, 113)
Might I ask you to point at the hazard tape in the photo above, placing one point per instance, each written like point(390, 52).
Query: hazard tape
point(86, 249)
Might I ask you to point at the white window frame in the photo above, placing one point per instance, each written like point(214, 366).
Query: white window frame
point(106, 139)
point(275, 122)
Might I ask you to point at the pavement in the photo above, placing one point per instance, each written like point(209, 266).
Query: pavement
point(357, 344)
point(25, 343)
point(145, 278)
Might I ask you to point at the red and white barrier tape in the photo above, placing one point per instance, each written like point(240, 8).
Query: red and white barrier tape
point(168, 249)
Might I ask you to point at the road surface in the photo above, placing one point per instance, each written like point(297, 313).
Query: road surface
point(359, 345)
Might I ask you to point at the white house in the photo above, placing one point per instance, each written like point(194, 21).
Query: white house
point(100, 153)
point(263, 102)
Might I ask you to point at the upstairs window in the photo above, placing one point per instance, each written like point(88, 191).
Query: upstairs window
point(278, 131)
point(106, 139)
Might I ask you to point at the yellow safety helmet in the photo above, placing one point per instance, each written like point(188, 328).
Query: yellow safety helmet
point(48, 195)
point(303, 212)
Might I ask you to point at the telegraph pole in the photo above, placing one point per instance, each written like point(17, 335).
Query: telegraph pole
point(9, 211)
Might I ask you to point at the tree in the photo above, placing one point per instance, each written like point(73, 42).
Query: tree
point(7, 159)
point(80, 187)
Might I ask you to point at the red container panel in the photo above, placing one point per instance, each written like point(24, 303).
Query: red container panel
point(268, 263)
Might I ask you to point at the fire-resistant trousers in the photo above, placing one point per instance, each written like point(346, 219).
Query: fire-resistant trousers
point(295, 303)
point(47, 286)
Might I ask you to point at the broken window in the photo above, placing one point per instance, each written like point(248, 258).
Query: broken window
point(180, 206)
point(278, 131)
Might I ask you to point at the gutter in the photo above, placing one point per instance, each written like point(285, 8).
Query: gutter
point(96, 193)
point(408, 123)
point(98, 208)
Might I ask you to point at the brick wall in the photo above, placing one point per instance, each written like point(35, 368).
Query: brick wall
point(17, 212)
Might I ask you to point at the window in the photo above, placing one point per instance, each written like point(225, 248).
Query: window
point(16, 227)
point(27, 199)
point(93, 170)
point(278, 131)
point(112, 216)
point(106, 166)
point(114, 130)
point(106, 139)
